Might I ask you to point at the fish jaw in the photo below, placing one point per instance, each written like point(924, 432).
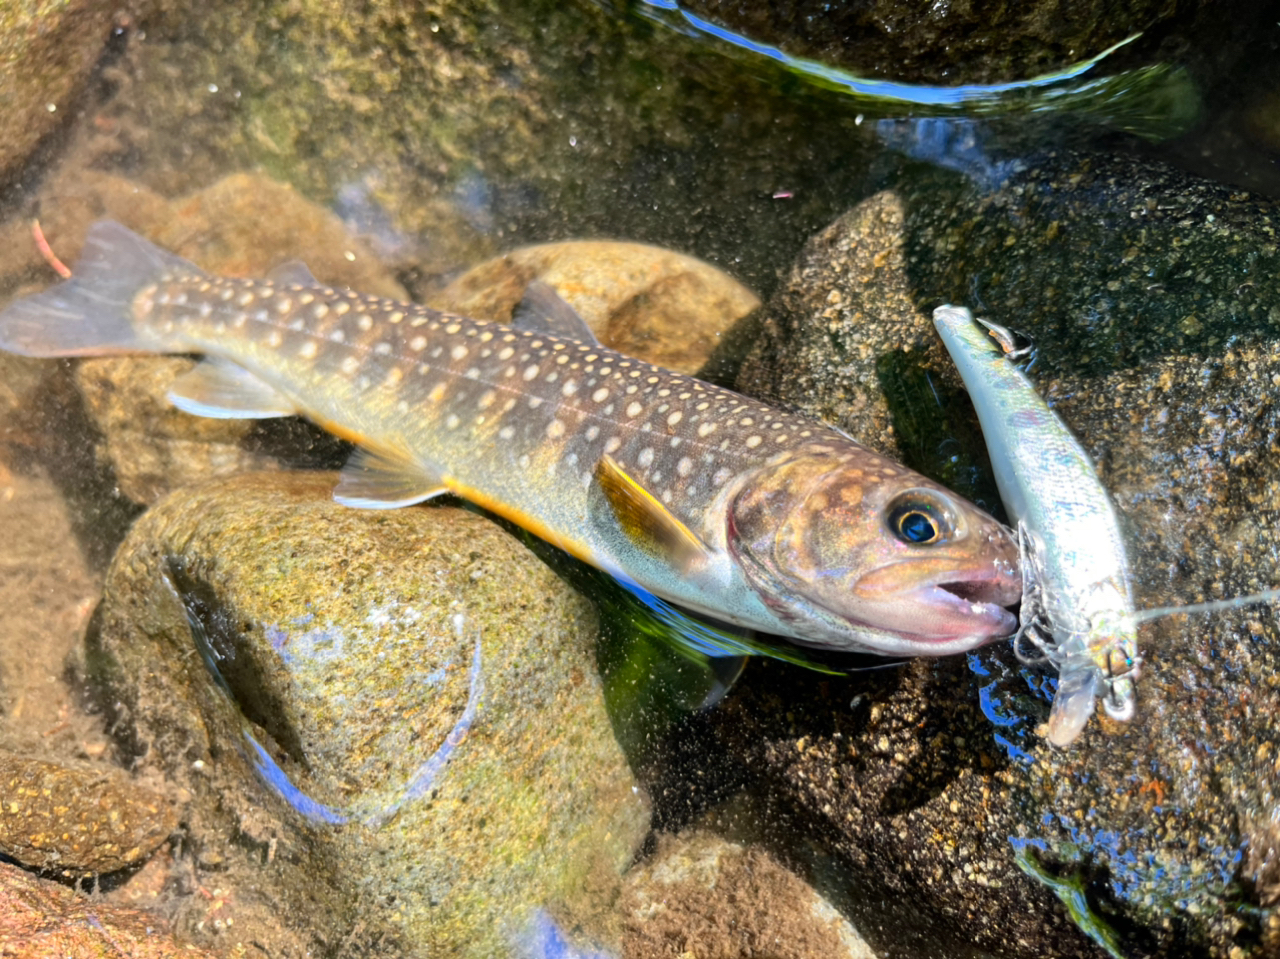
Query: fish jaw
point(942, 601)
point(825, 548)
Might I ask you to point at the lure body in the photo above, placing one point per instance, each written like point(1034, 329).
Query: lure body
point(1077, 574)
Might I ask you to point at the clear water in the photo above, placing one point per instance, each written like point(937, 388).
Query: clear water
point(442, 137)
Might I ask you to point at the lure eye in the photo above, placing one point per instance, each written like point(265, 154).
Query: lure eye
point(919, 518)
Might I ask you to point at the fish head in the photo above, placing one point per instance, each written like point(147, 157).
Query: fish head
point(855, 552)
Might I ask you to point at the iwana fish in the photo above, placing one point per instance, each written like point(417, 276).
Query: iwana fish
point(711, 500)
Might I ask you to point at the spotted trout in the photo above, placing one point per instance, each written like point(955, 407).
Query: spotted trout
point(705, 498)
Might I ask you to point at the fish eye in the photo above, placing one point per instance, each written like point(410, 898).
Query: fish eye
point(919, 518)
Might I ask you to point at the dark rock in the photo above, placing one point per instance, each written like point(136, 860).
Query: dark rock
point(932, 43)
point(1147, 292)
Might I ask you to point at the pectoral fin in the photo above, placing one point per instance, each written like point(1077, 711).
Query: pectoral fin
point(220, 389)
point(375, 479)
point(646, 522)
point(543, 310)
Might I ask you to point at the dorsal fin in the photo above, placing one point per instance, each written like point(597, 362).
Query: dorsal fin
point(224, 390)
point(646, 522)
point(544, 311)
point(382, 479)
point(293, 272)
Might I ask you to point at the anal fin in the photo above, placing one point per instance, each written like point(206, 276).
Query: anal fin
point(646, 521)
point(221, 389)
point(374, 479)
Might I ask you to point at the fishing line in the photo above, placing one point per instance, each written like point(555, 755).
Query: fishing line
point(1211, 606)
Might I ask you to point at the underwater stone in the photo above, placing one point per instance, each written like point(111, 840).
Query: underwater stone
point(72, 820)
point(931, 783)
point(390, 723)
point(660, 306)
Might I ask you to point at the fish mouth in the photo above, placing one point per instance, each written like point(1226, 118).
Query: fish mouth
point(940, 602)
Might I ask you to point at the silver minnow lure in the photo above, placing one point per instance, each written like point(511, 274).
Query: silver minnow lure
point(700, 496)
point(1077, 575)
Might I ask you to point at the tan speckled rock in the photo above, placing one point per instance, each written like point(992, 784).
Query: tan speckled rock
point(44, 920)
point(704, 896)
point(74, 820)
point(419, 691)
point(660, 306)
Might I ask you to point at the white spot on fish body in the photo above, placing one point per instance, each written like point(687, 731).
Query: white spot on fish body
point(342, 308)
point(365, 322)
point(600, 395)
point(473, 373)
point(274, 339)
point(570, 387)
point(593, 431)
point(722, 476)
point(506, 353)
point(205, 310)
point(244, 299)
point(320, 311)
point(523, 461)
point(350, 365)
point(396, 316)
point(453, 328)
point(451, 421)
point(506, 433)
point(393, 377)
point(418, 344)
point(645, 459)
point(634, 410)
point(555, 430)
point(753, 441)
point(675, 418)
point(458, 352)
point(383, 349)
point(337, 336)
point(684, 467)
point(487, 399)
point(535, 402)
point(706, 429)
point(611, 445)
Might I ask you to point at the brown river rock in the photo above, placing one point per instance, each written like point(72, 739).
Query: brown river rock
point(255, 632)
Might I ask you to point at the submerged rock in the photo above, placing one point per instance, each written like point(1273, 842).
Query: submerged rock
point(654, 304)
point(702, 895)
point(72, 820)
point(944, 44)
point(390, 723)
point(45, 920)
point(1147, 292)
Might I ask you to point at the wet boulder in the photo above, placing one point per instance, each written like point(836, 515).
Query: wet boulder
point(1148, 293)
point(389, 725)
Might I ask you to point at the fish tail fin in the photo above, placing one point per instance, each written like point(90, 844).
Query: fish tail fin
point(92, 313)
